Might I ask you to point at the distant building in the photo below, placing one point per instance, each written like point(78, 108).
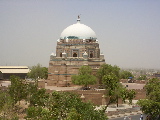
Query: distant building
point(156, 75)
point(7, 71)
point(77, 46)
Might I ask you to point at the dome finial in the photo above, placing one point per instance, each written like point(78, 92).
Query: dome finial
point(78, 18)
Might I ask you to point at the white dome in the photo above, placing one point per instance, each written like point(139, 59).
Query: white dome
point(78, 30)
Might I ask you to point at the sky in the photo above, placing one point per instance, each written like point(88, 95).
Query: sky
point(128, 30)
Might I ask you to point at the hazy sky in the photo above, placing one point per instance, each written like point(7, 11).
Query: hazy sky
point(128, 30)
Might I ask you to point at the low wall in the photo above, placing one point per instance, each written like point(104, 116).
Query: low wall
point(96, 96)
point(41, 84)
point(91, 95)
point(133, 81)
point(140, 94)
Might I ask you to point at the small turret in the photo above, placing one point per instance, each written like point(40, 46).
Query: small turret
point(52, 56)
point(101, 56)
point(85, 55)
point(66, 39)
point(64, 55)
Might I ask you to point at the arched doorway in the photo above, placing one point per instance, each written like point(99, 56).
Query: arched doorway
point(60, 54)
point(74, 54)
point(91, 55)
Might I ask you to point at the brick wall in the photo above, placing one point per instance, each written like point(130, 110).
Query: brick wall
point(96, 96)
point(140, 94)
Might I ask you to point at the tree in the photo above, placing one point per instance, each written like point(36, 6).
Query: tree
point(142, 77)
point(110, 82)
point(65, 106)
point(17, 89)
point(151, 105)
point(31, 89)
point(7, 110)
point(38, 72)
point(130, 95)
point(124, 94)
point(109, 76)
point(84, 77)
point(125, 74)
point(39, 98)
point(106, 69)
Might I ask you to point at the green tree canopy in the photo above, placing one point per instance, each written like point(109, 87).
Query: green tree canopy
point(17, 89)
point(151, 105)
point(125, 74)
point(142, 77)
point(65, 106)
point(84, 77)
point(6, 107)
point(107, 69)
point(109, 77)
point(39, 98)
point(44, 106)
point(38, 72)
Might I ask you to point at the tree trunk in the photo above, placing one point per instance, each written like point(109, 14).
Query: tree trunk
point(117, 100)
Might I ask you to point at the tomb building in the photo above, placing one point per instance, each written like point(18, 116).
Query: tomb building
point(77, 46)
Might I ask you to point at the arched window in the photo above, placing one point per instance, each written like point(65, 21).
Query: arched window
point(91, 55)
point(60, 54)
point(74, 54)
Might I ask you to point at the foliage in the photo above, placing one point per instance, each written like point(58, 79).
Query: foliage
point(124, 94)
point(85, 70)
point(38, 72)
point(110, 82)
point(65, 106)
point(151, 87)
point(44, 106)
point(5, 98)
point(84, 77)
point(17, 89)
point(108, 75)
point(31, 88)
point(39, 97)
point(125, 74)
point(151, 106)
point(114, 89)
point(130, 95)
point(38, 113)
point(142, 77)
point(107, 69)
point(84, 80)
point(6, 107)
point(73, 115)
point(127, 94)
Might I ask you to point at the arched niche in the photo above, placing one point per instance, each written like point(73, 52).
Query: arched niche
point(74, 54)
point(60, 54)
point(91, 55)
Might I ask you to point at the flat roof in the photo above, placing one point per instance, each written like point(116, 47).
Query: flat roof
point(10, 67)
point(14, 69)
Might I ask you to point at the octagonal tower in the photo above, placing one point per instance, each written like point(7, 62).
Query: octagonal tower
point(77, 46)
